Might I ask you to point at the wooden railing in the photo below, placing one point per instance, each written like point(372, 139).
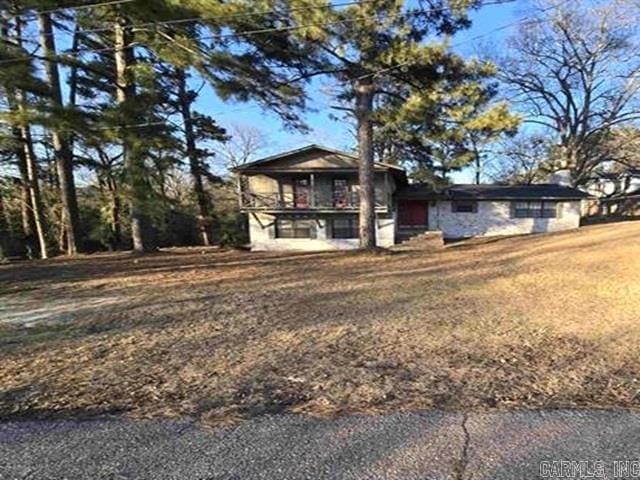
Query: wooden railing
point(306, 200)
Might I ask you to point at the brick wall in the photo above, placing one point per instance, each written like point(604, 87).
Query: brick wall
point(494, 218)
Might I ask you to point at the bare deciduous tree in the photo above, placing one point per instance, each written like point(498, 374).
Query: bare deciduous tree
point(245, 145)
point(575, 72)
point(521, 160)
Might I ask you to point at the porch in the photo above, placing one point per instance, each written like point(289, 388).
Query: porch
point(315, 191)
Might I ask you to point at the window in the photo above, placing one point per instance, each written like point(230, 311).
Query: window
point(344, 228)
point(535, 210)
point(295, 228)
point(464, 206)
point(341, 193)
point(301, 192)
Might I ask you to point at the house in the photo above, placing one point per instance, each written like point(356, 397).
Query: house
point(307, 199)
point(615, 184)
point(615, 194)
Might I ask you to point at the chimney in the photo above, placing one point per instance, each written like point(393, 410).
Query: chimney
point(561, 177)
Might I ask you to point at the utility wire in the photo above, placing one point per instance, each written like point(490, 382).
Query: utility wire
point(232, 15)
point(74, 7)
point(274, 29)
point(270, 12)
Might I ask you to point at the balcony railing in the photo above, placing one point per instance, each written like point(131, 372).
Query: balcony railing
point(306, 201)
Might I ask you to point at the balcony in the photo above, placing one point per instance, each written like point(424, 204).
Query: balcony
point(318, 201)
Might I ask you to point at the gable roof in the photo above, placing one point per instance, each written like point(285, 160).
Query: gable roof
point(263, 162)
point(540, 191)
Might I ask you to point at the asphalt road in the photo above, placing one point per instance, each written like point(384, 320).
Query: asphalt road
point(429, 445)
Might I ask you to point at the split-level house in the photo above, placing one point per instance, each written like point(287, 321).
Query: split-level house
point(307, 199)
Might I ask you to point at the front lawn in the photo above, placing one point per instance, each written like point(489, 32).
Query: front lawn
point(527, 322)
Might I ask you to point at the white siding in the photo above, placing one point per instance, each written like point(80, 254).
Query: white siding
point(262, 236)
point(494, 218)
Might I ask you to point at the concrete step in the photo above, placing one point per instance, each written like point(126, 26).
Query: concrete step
point(429, 240)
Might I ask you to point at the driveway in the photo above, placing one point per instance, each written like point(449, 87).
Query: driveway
point(428, 445)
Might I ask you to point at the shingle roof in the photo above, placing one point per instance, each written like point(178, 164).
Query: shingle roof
point(547, 191)
point(308, 148)
point(541, 191)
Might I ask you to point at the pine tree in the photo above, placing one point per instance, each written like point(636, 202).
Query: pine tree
point(60, 139)
point(19, 85)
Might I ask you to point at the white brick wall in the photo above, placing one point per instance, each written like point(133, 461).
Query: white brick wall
point(494, 218)
point(262, 236)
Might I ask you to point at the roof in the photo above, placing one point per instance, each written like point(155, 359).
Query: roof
point(539, 191)
point(263, 161)
point(544, 191)
point(418, 191)
point(630, 172)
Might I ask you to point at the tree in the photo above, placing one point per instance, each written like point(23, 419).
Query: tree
point(243, 145)
point(522, 160)
point(20, 85)
point(133, 154)
point(448, 127)
point(197, 127)
point(61, 139)
point(375, 53)
point(574, 72)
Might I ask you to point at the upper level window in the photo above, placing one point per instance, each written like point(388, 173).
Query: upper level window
point(301, 193)
point(341, 193)
point(535, 209)
point(295, 228)
point(464, 206)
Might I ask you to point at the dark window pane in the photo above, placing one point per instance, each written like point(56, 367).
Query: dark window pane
point(464, 206)
point(535, 210)
point(344, 228)
point(289, 228)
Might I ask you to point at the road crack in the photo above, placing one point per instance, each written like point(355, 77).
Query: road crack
point(461, 466)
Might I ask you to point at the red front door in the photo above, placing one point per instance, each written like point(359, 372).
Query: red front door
point(412, 213)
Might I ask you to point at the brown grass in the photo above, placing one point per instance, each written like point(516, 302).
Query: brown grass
point(541, 321)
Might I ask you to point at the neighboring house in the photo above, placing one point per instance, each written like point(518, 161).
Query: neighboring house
point(307, 199)
point(616, 194)
point(615, 184)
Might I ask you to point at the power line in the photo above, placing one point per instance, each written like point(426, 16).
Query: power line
point(270, 12)
point(273, 29)
point(74, 7)
point(234, 15)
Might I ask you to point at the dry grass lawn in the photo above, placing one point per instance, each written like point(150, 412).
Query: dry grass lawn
point(527, 322)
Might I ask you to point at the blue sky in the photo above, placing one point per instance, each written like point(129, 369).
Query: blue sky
point(337, 134)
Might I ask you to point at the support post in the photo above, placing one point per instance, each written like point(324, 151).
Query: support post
point(312, 185)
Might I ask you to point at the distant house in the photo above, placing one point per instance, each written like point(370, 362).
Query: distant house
point(616, 194)
point(307, 199)
point(615, 184)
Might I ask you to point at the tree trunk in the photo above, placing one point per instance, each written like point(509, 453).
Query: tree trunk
point(5, 232)
point(478, 162)
point(133, 163)
point(204, 206)
point(28, 222)
point(34, 224)
point(73, 71)
point(114, 213)
point(364, 89)
point(34, 187)
point(60, 140)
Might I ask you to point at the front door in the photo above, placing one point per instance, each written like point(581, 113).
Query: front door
point(413, 213)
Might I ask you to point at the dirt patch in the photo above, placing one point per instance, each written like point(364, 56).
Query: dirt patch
point(27, 311)
point(526, 322)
